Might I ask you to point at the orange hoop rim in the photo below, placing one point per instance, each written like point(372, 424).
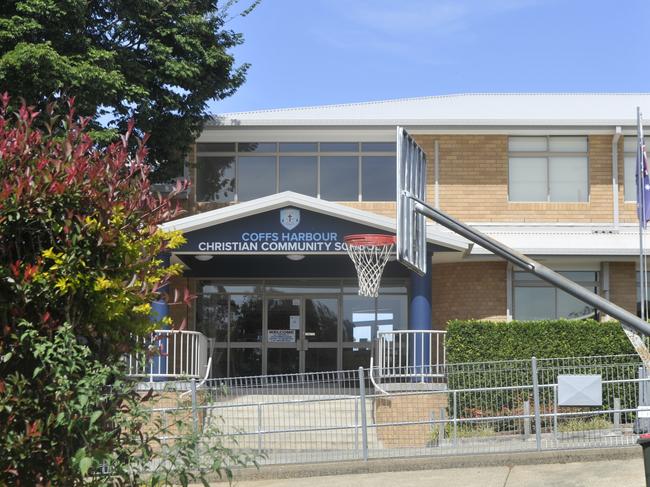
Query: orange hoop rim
point(369, 240)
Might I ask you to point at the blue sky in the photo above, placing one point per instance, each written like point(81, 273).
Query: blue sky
point(313, 52)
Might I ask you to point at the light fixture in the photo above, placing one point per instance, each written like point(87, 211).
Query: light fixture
point(295, 257)
point(203, 257)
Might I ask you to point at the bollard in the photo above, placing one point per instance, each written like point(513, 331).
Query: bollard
point(644, 441)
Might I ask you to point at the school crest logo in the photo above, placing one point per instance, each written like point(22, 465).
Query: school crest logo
point(290, 218)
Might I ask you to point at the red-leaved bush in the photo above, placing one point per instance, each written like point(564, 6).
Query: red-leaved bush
point(80, 242)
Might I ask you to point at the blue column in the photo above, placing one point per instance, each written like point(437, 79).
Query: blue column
point(420, 317)
point(160, 310)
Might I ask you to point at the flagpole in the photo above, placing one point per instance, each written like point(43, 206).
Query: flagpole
point(640, 170)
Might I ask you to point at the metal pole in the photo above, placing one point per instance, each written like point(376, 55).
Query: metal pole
point(195, 414)
point(455, 419)
point(641, 208)
point(630, 322)
point(364, 424)
point(526, 420)
point(538, 419)
point(555, 412)
point(356, 425)
point(259, 428)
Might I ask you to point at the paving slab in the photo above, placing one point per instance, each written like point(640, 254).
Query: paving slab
point(620, 467)
point(455, 477)
point(616, 473)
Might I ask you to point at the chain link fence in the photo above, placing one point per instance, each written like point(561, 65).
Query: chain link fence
point(489, 407)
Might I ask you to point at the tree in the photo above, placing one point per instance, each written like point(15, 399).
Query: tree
point(80, 238)
point(155, 61)
point(79, 266)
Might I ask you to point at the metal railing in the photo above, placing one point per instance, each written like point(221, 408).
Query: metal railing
point(410, 354)
point(171, 355)
point(490, 407)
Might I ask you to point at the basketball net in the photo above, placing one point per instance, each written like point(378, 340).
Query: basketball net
point(370, 253)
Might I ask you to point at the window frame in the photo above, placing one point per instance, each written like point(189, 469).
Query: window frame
point(536, 282)
point(548, 154)
point(631, 154)
point(277, 153)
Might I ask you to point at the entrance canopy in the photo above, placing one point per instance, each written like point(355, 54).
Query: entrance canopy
point(288, 224)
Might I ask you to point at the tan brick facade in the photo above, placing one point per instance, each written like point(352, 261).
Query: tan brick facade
point(473, 182)
point(468, 290)
point(622, 284)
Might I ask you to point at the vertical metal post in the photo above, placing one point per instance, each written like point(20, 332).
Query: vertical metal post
point(617, 415)
point(538, 419)
point(555, 412)
point(526, 420)
point(364, 423)
point(195, 413)
point(259, 428)
point(356, 425)
point(455, 418)
point(443, 423)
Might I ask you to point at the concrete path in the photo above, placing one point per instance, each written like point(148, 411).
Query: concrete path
point(614, 473)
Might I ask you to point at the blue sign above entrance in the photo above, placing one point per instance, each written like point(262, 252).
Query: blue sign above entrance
point(281, 231)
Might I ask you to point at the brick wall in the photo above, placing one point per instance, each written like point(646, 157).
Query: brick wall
point(404, 408)
point(180, 311)
point(468, 290)
point(622, 284)
point(627, 211)
point(473, 182)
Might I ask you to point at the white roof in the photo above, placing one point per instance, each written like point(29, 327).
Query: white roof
point(563, 239)
point(554, 109)
point(289, 198)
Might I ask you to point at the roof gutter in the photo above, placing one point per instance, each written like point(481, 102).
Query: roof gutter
point(615, 138)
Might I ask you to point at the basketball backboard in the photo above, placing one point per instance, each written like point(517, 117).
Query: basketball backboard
point(411, 182)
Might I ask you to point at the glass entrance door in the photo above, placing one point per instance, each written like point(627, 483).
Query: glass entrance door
point(283, 336)
point(321, 343)
point(302, 334)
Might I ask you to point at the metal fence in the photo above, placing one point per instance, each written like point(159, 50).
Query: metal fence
point(481, 408)
point(172, 355)
point(401, 353)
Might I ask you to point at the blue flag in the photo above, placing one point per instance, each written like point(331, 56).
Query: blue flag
point(643, 185)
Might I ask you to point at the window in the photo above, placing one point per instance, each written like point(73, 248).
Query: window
point(336, 171)
point(339, 178)
point(535, 299)
point(629, 168)
point(299, 174)
point(378, 178)
point(638, 293)
point(256, 177)
point(554, 169)
point(216, 178)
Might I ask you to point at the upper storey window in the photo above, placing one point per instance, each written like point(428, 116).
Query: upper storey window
point(548, 169)
point(629, 169)
point(336, 171)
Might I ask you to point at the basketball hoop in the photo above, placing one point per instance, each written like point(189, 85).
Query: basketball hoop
point(369, 252)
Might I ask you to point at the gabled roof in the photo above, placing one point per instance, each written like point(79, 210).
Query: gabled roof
point(563, 109)
point(289, 198)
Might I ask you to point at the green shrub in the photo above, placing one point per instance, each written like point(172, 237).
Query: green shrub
point(497, 355)
point(584, 424)
point(483, 341)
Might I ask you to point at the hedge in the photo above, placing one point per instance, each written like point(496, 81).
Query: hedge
point(486, 354)
point(483, 341)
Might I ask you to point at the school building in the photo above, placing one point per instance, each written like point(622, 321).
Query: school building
point(275, 191)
